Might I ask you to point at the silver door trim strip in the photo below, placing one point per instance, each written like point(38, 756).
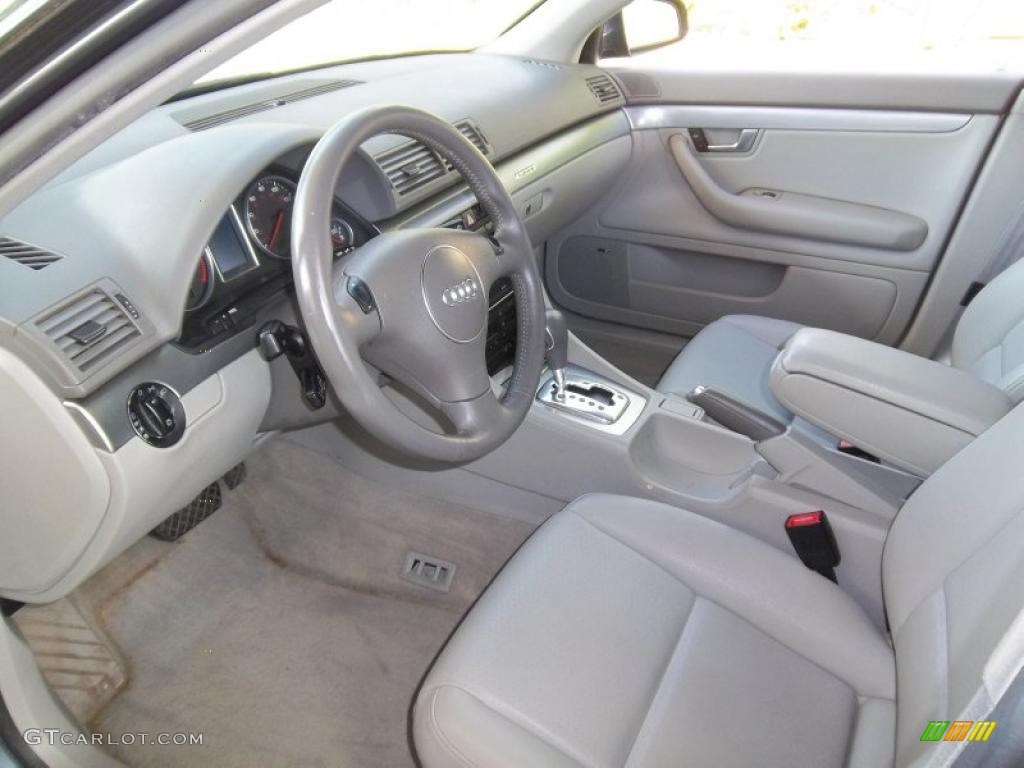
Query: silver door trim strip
point(794, 118)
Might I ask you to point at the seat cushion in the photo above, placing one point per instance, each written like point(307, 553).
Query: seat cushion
point(733, 355)
point(630, 633)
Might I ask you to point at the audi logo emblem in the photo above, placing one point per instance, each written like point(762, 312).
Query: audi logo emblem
point(460, 293)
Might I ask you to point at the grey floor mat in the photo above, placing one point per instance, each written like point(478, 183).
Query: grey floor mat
point(280, 628)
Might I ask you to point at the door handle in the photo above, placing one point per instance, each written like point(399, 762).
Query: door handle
point(744, 142)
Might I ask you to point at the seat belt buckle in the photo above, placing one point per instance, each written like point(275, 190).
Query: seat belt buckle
point(815, 544)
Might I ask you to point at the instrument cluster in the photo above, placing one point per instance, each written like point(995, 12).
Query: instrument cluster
point(248, 254)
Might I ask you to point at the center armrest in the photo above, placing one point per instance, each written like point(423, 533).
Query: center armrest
point(909, 410)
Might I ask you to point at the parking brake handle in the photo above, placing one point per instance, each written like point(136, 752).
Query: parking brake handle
point(734, 415)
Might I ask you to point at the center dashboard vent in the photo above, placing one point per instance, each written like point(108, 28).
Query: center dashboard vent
point(28, 255)
point(272, 102)
point(412, 166)
point(90, 328)
point(604, 89)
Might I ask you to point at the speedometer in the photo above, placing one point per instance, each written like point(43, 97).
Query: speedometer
point(268, 214)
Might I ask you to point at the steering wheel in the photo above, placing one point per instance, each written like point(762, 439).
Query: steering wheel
point(413, 303)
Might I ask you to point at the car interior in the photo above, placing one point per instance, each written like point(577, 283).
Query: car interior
point(526, 405)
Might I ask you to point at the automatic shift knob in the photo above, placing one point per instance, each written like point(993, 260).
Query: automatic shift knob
point(557, 340)
point(556, 349)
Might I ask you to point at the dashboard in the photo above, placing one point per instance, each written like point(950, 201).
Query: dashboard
point(152, 265)
point(246, 263)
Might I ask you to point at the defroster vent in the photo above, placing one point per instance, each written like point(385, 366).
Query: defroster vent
point(272, 102)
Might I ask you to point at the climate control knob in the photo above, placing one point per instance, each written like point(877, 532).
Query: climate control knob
point(156, 414)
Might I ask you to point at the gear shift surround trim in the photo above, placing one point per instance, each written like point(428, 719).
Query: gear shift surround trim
point(586, 398)
point(615, 409)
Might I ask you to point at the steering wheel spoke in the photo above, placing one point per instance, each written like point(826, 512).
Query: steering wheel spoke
point(473, 417)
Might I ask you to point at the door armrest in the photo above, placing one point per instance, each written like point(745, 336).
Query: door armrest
point(909, 410)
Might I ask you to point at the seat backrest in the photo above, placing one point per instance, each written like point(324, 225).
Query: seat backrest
point(953, 576)
point(989, 339)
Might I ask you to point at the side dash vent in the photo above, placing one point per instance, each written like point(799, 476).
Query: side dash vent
point(289, 97)
point(28, 255)
point(604, 89)
point(410, 166)
point(89, 329)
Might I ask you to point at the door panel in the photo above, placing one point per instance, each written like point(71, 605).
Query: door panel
point(678, 291)
point(831, 216)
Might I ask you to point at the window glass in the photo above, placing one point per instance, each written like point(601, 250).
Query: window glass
point(847, 35)
point(343, 30)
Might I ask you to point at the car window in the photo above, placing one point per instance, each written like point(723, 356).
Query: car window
point(846, 35)
point(345, 30)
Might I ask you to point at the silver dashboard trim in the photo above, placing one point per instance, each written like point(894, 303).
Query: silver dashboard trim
point(97, 435)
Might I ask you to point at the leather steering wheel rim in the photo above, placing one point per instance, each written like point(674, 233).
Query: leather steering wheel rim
point(427, 322)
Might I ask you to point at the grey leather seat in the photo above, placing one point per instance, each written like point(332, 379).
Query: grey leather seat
point(734, 354)
point(629, 633)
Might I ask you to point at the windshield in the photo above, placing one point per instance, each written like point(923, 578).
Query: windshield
point(346, 30)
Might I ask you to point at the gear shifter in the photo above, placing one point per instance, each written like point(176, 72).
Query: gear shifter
point(572, 390)
point(557, 349)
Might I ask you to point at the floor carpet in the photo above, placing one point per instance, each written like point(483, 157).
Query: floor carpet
point(280, 628)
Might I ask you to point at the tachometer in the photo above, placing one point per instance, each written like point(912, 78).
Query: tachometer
point(201, 289)
point(268, 214)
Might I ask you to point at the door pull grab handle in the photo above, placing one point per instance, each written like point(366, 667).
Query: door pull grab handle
point(744, 143)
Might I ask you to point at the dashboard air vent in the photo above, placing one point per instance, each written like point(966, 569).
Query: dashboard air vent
point(29, 255)
point(410, 167)
point(89, 329)
point(236, 113)
point(604, 89)
point(472, 131)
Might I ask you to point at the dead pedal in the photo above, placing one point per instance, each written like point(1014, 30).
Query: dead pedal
point(184, 520)
point(428, 571)
point(77, 659)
